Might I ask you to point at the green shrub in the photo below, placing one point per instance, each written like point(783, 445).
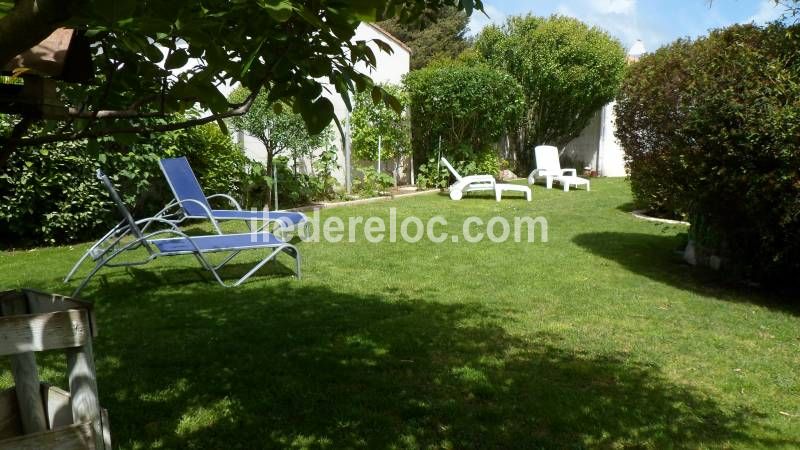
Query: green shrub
point(294, 189)
point(489, 162)
point(650, 114)
point(719, 142)
point(50, 195)
point(372, 182)
point(432, 175)
point(371, 121)
point(469, 107)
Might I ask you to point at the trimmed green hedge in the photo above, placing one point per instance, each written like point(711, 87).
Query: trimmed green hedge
point(711, 130)
point(50, 195)
point(469, 107)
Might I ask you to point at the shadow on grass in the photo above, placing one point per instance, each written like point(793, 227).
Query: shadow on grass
point(628, 207)
point(301, 366)
point(659, 258)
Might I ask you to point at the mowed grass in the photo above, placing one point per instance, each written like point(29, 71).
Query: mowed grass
point(599, 338)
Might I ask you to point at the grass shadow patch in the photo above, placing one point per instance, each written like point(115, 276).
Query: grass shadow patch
point(659, 258)
point(304, 366)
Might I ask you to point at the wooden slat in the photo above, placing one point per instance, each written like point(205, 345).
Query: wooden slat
point(42, 302)
point(10, 425)
point(13, 303)
point(26, 375)
point(83, 389)
point(45, 302)
point(74, 437)
point(106, 429)
point(40, 332)
point(57, 407)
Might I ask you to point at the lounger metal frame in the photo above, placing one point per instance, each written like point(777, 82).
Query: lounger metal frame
point(111, 245)
point(176, 212)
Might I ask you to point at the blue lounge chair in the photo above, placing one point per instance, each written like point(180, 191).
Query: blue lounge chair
point(191, 203)
point(173, 242)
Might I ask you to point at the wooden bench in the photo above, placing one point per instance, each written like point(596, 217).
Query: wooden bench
point(34, 415)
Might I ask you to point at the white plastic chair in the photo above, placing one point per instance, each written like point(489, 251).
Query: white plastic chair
point(548, 167)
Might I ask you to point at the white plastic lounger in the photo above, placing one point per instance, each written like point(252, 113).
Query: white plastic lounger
point(172, 242)
point(499, 188)
point(191, 203)
point(548, 167)
point(469, 183)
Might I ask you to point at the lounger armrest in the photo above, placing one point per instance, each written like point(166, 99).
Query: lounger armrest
point(207, 212)
point(569, 172)
point(151, 220)
point(226, 197)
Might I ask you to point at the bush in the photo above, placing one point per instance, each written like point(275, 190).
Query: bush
point(50, 195)
point(373, 183)
point(469, 107)
point(720, 143)
point(294, 189)
point(650, 114)
point(486, 163)
point(567, 71)
point(432, 175)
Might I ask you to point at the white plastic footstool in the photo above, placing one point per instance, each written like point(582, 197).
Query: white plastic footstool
point(575, 181)
point(500, 188)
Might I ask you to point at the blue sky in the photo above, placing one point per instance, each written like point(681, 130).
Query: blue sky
point(656, 22)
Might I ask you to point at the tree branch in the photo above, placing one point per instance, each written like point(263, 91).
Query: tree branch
point(236, 110)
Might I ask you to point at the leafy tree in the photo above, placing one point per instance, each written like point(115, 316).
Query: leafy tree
point(371, 121)
point(440, 34)
point(469, 107)
point(281, 132)
point(286, 47)
point(567, 71)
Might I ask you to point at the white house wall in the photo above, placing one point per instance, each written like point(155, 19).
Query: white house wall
point(597, 147)
point(612, 155)
point(585, 147)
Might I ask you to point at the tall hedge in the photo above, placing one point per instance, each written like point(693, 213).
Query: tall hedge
point(469, 106)
point(50, 195)
point(650, 121)
point(567, 69)
point(711, 130)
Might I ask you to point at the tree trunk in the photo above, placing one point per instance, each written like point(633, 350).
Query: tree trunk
point(28, 23)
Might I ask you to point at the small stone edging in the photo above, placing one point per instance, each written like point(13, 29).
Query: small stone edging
point(362, 201)
point(640, 214)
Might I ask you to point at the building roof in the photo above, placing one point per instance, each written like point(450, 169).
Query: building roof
point(390, 36)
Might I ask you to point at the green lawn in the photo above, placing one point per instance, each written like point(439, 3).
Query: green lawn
point(600, 338)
